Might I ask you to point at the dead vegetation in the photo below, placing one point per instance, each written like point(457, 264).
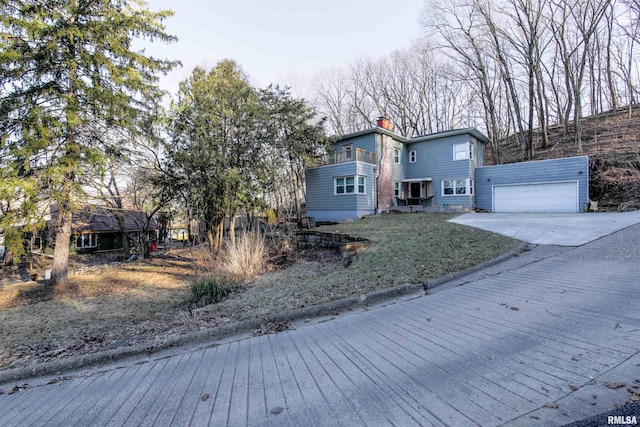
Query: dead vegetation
point(123, 304)
point(120, 304)
point(612, 142)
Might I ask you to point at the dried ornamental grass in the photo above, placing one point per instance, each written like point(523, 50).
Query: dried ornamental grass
point(246, 259)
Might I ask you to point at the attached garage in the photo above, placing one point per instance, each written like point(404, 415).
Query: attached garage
point(536, 197)
point(555, 185)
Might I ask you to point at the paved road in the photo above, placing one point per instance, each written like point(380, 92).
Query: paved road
point(549, 327)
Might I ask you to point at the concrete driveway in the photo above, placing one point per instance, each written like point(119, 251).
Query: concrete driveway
point(562, 229)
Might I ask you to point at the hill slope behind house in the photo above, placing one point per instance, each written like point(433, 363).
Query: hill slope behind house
point(612, 142)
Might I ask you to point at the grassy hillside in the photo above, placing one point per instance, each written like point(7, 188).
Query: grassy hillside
point(612, 142)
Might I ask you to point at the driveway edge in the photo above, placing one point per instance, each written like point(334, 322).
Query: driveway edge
point(212, 336)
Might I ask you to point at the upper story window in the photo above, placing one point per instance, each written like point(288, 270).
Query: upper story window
point(412, 156)
point(396, 155)
point(463, 151)
point(350, 185)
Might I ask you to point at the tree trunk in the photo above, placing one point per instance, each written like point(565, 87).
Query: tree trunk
point(125, 244)
point(219, 237)
point(59, 273)
point(296, 185)
point(530, 150)
point(215, 230)
point(232, 229)
point(611, 80)
point(577, 124)
point(542, 107)
point(211, 237)
point(123, 233)
point(508, 79)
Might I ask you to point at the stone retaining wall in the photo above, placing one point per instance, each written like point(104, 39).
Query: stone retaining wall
point(347, 245)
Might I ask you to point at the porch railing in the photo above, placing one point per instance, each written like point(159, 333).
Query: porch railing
point(343, 156)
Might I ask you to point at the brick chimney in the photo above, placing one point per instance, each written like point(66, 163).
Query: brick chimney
point(384, 123)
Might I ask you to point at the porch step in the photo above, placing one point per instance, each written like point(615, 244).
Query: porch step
point(429, 209)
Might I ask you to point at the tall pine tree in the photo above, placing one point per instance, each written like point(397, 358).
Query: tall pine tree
point(73, 92)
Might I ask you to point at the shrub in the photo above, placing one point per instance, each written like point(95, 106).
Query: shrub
point(246, 258)
point(271, 215)
point(208, 290)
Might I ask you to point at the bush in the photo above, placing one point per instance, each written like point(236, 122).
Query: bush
point(271, 216)
point(208, 290)
point(247, 258)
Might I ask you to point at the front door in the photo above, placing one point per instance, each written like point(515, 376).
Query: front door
point(414, 190)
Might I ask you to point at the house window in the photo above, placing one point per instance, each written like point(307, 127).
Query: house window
point(396, 189)
point(463, 151)
point(396, 155)
point(412, 156)
point(36, 244)
point(457, 187)
point(350, 185)
point(85, 241)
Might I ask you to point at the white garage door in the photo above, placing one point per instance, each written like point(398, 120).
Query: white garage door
point(544, 197)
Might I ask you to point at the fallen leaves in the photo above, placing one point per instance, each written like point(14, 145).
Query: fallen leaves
point(634, 390)
point(272, 328)
point(17, 388)
point(613, 385)
point(510, 307)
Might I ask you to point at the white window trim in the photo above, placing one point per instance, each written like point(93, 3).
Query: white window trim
point(413, 156)
point(468, 150)
point(356, 185)
point(397, 190)
point(399, 151)
point(92, 241)
point(468, 187)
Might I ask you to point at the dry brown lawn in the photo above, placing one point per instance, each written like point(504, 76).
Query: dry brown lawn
point(121, 304)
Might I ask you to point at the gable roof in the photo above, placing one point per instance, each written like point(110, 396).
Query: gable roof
point(99, 219)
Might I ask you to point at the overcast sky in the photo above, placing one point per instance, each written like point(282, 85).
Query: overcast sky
point(286, 41)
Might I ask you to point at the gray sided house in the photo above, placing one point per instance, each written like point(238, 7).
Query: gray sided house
point(96, 228)
point(375, 171)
